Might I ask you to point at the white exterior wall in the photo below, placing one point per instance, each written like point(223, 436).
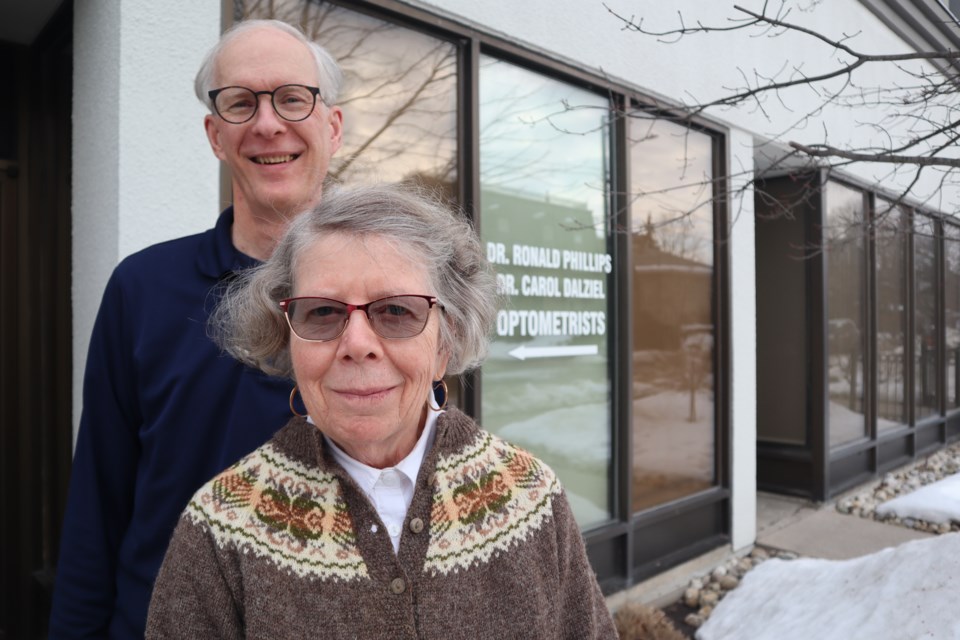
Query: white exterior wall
point(142, 169)
point(743, 347)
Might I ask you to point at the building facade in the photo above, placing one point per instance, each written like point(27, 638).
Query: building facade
point(692, 313)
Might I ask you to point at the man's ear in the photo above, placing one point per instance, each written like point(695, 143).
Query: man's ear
point(336, 128)
point(212, 128)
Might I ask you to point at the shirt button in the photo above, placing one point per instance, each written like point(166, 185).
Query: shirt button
point(416, 525)
point(398, 586)
point(393, 530)
point(390, 478)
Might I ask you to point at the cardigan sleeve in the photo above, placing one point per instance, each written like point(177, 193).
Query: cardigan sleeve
point(581, 610)
point(198, 592)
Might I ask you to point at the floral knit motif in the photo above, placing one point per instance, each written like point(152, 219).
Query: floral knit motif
point(273, 506)
point(487, 497)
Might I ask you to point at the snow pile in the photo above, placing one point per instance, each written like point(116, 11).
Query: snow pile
point(908, 591)
point(938, 502)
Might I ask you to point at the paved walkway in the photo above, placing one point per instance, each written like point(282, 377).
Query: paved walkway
point(790, 524)
point(819, 531)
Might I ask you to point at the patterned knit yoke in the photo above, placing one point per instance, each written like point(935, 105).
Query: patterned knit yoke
point(285, 545)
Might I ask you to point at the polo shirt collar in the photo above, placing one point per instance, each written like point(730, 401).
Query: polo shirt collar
point(218, 258)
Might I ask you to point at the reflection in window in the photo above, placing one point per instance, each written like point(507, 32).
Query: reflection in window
point(673, 330)
point(926, 339)
point(543, 197)
point(951, 250)
point(398, 97)
point(843, 237)
point(891, 251)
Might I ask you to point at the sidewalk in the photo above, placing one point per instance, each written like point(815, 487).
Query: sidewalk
point(786, 523)
point(819, 531)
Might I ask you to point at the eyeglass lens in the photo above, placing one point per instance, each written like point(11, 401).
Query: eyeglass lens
point(291, 102)
point(325, 319)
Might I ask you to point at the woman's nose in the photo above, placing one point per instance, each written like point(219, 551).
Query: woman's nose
point(358, 339)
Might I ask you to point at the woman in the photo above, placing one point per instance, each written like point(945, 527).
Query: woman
point(377, 514)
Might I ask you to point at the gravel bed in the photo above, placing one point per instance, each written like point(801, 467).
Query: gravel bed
point(702, 594)
point(933, 468)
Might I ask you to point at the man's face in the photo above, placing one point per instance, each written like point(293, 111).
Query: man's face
point(277, 166)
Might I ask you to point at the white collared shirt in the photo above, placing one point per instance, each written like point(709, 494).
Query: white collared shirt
point(390, 490)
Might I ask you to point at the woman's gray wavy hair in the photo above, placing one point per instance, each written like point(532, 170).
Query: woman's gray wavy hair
point(329, 75)
point(249, 324)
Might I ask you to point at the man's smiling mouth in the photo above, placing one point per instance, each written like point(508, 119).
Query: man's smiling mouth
point(273, 159)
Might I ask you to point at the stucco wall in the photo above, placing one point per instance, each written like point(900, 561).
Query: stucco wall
point(743, 348)
point(142, 169)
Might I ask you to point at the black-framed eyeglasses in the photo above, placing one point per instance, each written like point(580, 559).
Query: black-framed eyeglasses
point(292, 102)
point(322, 319)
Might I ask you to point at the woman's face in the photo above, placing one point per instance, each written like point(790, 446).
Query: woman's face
point(366, 393)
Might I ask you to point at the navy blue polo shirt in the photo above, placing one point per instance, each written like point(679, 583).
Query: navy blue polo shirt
point(163, 411)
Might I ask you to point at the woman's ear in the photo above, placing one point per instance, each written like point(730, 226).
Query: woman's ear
point(441, 365)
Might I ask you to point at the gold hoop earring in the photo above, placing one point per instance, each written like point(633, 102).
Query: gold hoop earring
point(446, 396)
point(293, 394)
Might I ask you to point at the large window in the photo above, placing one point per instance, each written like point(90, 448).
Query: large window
point(951, 303)
point(543, 180)
point(846, 286)
point(879, 298)
point(672, 304)
point(891, 224)
point(926, 337)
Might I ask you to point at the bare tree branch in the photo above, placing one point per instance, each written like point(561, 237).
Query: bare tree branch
point(827, 151)
point(909, 123)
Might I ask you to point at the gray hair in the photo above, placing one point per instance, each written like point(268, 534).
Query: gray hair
point(329, 76)
point(249, 324)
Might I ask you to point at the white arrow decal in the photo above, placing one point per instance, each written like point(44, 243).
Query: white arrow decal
point(523, 352)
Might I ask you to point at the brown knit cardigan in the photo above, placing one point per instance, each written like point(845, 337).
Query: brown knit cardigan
point(285, 545)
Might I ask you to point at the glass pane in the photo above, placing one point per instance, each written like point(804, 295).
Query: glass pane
point(673, 331)
point(843, 244)
point(951, 247)
point(926, 339)
point(543, 178)
point(398, 96)
point(891, 248)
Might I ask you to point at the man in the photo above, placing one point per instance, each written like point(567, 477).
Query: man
point(163, 409)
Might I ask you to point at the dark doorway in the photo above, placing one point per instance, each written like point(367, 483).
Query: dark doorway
point(35, 319)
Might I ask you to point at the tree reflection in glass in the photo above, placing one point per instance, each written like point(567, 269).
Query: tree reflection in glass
point(926, 339)
point(843, 242)
point(891, 224)
point(951, 246)
point(671, 214)
point(398, 97)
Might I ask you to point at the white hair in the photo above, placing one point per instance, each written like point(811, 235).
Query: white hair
point(329, 76)
point(249, 324)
